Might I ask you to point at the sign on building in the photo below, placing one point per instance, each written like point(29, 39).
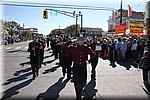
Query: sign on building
point(137, 29)
point(120, 29)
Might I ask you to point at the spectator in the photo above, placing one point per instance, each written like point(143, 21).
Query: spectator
point(145, 66)
point(123, 48)
point(118, 49)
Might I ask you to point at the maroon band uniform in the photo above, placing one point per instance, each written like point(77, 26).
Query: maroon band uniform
point(79, 54)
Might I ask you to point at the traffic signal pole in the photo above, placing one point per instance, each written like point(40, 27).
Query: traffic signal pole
point(71, 14)
point(121, 13)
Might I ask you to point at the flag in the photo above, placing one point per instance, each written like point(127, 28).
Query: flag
point(115, 15)
point(129, 11)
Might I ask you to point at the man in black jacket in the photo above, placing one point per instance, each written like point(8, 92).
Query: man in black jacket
point(34, 49)
point(94, 61)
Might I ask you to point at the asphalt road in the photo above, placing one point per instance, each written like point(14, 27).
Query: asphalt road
point(121, 82)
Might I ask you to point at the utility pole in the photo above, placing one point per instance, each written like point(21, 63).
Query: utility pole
point(121, 13)
point(77, 25)
point(81, 21)
point(70, 14)
point(59, 29)
point(80, 15)
point(23, 27)
point(11, 26)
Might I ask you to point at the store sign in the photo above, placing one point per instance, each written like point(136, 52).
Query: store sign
point(120, 29)
point(137, 26)
point(137, 29)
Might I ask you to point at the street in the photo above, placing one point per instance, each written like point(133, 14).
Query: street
point(121, 82)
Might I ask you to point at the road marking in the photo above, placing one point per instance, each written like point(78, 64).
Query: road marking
point(16, 48)
point(25, 48)
point(8, 47)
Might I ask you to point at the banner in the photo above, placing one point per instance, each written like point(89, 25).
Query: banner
point(120, 29)
point(129, 11)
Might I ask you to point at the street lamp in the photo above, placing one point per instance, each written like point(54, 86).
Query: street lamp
point(23, 27)
point(77, 25)
point(59, 29)
point(81, 20)
point(80, 15)
point(76, 15)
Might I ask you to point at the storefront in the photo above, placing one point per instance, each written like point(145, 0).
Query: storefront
point(130, 29)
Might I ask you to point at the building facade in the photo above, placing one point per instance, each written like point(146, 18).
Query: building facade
point(93, 32)
point(132, 25)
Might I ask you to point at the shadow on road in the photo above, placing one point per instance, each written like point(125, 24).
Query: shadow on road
point(48, 56)
point(89, 91)
point(147, 90)
point(19, 78)
point(24, 63)
point(52, 93)
point(13, 51)
point(47, 62)
point(22, 71)
point(126, 64)
point(14, 90)
point(53, 69)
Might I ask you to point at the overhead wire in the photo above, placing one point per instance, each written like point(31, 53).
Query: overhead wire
point(46, 5)
point(57, 7)
point(62, 5)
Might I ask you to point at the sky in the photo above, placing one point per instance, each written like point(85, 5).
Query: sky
point(31, 17)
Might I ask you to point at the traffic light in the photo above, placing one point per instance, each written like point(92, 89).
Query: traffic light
point(45, 14)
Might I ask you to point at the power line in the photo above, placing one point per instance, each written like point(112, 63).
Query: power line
point(67, 7)
point(57, 5)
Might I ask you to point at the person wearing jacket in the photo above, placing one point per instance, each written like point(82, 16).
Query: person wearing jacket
point(34, 49)
point(94, 61)
point(123, 49)
point(145, 66)
point(79, 53)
